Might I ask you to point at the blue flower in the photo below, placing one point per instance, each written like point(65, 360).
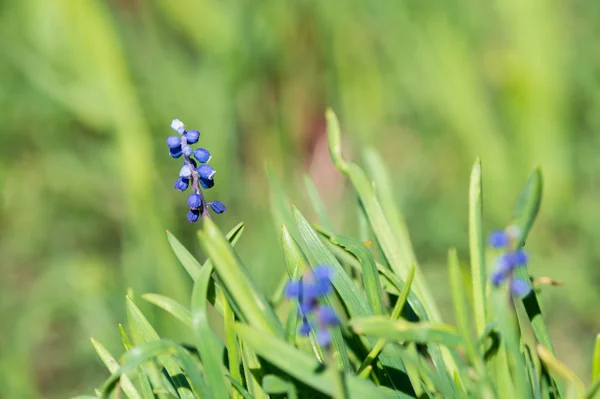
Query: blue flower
point(175, 152)
point(190, 174)
point(518, 287)
point(202, 155)
point(194, 201)
point(218, 207)
point(178, 126)
point(327, 316)
point(192, 136)
point(182, 184)
point(206, 171)
point(193, 215)
point(324, 338)
point(304, 328)
point(174, 142)
point(520, 258)
point(206, 183)
point(498, 239)
point(292, 289)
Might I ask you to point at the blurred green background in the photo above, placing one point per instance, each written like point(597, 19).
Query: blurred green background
point(88, 90)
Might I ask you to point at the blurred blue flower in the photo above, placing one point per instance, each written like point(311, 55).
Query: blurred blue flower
point(174, 142)
point(510, 259)
point(308, 290)
point(324, 338)
point(175, 152)
point(206, 183)
point(498, 239)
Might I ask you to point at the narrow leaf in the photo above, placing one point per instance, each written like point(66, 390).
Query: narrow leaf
point(112, 365)
point(172, 306)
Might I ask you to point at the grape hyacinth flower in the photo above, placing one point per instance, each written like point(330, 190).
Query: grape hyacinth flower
point(317, 317)
point(198, 177)
point(509, 260)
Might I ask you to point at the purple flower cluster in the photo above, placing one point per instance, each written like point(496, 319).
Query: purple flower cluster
point(199, 177)
point(509, 260)
point(308, 290)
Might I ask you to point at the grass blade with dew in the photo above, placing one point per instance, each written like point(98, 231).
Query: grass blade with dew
point(476, 247)
point(149, 334)
point(112, 365)
point(237, 281)
point(176, 309)
point(306, 368)
point(208, 345)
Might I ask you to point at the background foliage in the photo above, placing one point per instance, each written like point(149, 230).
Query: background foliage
point(89, 89)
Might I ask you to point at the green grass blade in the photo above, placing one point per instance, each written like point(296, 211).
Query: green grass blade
point(304, 367)
point(369, 271)
point(511, 341)
point(558, 368)
point(296, 264)
point(232, 345)
point(239, 389)
point(149, 334)
point(404, 331)
point(208, 345)
point(380, 176)
point(396, 312)
point(317, 204)
point(253, 372)
point(142, 375)
point(477, 250)
point(596, 360)
point(237, 282)
point(526, 210)
point(395, 252)
point(189, 262)
point(112, 365)
point(176, 309)
point(160, 349)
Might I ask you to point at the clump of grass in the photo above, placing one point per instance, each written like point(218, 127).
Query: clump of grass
point(359, 323)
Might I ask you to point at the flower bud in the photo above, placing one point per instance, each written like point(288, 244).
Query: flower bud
point(182, 184)
point(174, 142)
point(194, 201)
point(206, 171)
point(185, 172)
point(192, 136)
point(205, 183)
point(218, 207)
point(178, 126)
point(202, 155)
point(193, 215)
point(187, 150)
point(175, 152)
